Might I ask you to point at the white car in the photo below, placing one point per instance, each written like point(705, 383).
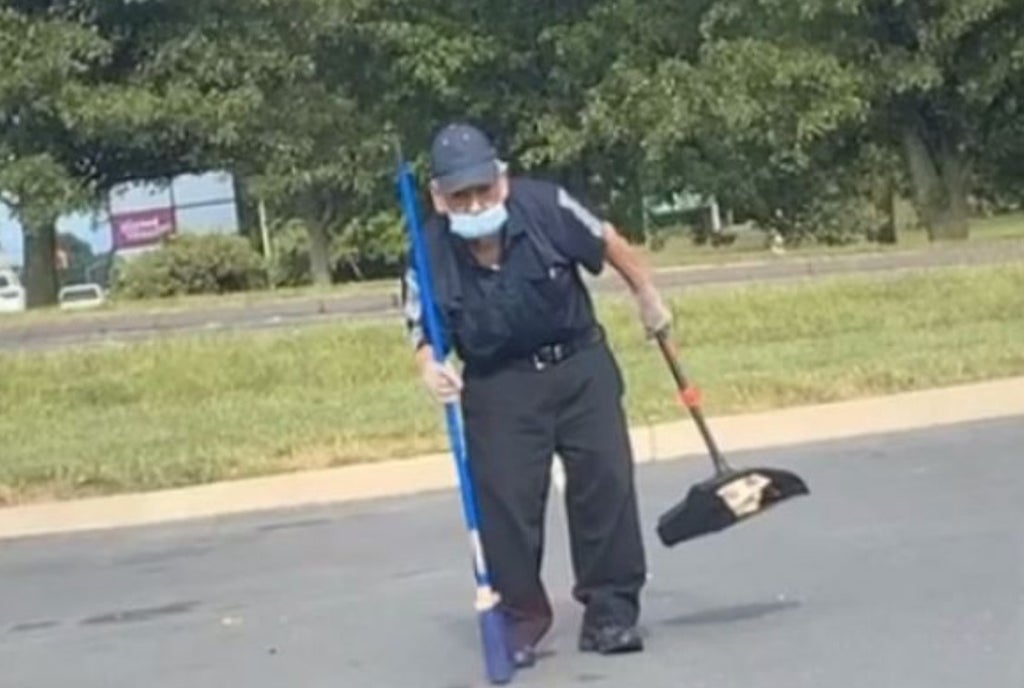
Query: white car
point(12, 294)
point(79, 296)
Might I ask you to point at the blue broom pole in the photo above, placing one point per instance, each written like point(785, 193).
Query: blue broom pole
point(494, 636)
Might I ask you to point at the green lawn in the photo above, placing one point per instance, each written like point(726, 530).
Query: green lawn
point(750, 244)
point(188, 410)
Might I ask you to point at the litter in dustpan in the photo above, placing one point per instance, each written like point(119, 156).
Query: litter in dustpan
point(725, 500)
point(730, 495)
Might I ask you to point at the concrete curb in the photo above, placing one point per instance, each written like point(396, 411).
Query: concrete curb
point(668, 441)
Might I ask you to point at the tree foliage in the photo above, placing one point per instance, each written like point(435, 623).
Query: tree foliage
point(793, 114)
point(97, 92)
point(941, 77)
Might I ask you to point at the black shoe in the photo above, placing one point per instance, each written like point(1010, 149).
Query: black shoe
point(524, 657)
point(610, 640)
point(526, 630)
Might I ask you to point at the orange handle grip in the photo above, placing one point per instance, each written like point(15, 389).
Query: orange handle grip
point(690, 397)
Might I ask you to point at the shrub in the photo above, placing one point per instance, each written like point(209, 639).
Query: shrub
point(192, 264)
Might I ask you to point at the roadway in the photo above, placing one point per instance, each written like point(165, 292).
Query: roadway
point(904, 568)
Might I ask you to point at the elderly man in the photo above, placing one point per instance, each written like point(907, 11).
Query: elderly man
point(538, 378)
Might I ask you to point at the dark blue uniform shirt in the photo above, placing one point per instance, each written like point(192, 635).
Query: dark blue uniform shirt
point(535, 297)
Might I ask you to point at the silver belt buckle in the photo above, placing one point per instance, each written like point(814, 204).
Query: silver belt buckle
point(558, 355)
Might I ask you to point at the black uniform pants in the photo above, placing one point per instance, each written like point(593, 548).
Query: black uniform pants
point(516, 418)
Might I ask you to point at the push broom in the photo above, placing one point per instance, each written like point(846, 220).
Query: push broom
point(730, 495)
point(497, 655)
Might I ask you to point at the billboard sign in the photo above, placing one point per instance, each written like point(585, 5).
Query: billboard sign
point(141, 227)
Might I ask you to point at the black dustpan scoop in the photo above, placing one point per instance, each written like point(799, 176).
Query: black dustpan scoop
point(730, 495)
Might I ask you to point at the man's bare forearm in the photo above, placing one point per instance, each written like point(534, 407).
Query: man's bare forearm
point(627, 261)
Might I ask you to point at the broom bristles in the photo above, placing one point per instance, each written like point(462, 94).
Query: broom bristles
point(497, 654)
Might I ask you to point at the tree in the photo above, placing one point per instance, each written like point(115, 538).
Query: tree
point(938, 75)
point(45, 60)
point(790, 114)
point(94, 93)
point(770, 106)
point(678, 110)
point(328, 137)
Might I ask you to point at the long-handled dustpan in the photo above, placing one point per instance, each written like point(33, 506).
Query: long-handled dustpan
point(730, 495)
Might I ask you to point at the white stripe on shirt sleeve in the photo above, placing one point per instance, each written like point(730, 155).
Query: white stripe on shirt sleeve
point(584, 216)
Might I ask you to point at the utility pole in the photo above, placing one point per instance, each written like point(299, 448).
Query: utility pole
point(261, 209)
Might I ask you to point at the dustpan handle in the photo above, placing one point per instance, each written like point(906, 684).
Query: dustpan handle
point(690, 398)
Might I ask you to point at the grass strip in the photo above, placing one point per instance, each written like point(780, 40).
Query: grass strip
point(194, 409)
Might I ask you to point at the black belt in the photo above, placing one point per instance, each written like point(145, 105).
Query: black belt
point(541, 358)
point(553, 354)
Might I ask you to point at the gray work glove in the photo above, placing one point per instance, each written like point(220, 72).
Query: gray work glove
point(656, 318)
point(442, 380)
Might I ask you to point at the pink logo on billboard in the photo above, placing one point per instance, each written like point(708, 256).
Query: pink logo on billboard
point(142, 227)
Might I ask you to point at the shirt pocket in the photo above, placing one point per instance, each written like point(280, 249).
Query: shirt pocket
point(482, 324)
point(542, 298)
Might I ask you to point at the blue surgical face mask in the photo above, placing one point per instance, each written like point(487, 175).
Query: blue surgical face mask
point(482, 224)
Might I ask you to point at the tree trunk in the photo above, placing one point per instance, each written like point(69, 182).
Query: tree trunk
point(319, 254)
point(939, 178)
point(40, 256)
point(953, 222)
point(888, 233)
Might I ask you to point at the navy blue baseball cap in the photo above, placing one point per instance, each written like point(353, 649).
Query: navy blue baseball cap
point(462, 157)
